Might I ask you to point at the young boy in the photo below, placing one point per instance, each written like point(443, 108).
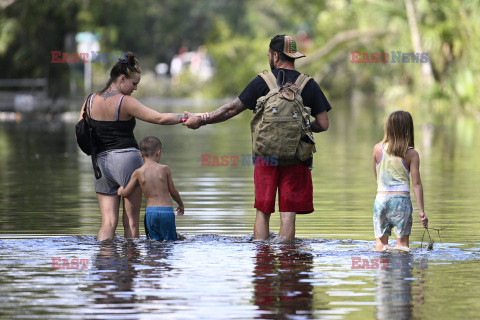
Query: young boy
point(156, 183)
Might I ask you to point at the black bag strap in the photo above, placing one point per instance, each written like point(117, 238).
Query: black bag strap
point(280, 78)
point(96, 168)
point(86, 116)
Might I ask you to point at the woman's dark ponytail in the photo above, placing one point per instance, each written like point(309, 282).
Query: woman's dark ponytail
point(125, 66)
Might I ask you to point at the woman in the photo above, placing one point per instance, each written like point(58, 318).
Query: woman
point(112, 113)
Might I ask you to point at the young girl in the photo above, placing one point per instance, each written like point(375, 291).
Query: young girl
point(394, 159)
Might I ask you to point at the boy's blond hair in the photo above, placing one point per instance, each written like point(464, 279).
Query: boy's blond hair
point(149, 145)
point(399, 133)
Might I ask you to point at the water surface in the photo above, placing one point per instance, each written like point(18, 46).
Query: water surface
point(48, 210)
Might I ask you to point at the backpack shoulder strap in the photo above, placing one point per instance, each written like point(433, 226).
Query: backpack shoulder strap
point(302, 81)
point(269, 78)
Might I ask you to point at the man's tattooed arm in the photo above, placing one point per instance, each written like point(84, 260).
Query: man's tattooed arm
point(225, 112)
point(320, 123)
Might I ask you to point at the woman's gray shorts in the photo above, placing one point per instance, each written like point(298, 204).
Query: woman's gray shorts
point(117, 167)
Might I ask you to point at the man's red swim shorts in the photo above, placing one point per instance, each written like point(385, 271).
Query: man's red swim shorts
point(294, 183)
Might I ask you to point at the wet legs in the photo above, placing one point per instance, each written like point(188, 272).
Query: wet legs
point(262, 225)
point(381, 242)
point(109, 207)
point(404, 242)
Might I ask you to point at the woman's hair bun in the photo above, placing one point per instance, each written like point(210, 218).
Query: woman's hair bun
point(129, 58)
point(132, 64)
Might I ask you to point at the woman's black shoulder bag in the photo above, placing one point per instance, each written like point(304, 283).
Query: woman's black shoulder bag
point(85, 138)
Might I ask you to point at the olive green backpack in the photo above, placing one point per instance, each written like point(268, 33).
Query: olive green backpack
point(280, 126)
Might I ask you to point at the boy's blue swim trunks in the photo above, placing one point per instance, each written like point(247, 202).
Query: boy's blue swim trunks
point(160, 223)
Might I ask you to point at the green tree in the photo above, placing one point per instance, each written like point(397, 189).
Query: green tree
point(30, 31)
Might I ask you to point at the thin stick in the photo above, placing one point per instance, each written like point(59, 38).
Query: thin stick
point(421, 244)
point(438, 231)
point(441, 229)
point(429, 235)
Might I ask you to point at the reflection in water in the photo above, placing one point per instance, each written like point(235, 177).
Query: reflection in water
point(281, 282)
point(397, 291)
point(419, 287)
point(158, 255)
point(119, 266)
point(222, 277)
point(116, 271)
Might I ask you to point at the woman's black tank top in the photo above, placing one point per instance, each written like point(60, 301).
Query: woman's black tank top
point(111, 135)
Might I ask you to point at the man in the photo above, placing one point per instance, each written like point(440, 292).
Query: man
point(294, 181)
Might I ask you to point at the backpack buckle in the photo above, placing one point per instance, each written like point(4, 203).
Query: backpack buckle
point(274, 110)
point(295, 115)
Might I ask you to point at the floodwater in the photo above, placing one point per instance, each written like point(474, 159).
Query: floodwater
point(51, 266)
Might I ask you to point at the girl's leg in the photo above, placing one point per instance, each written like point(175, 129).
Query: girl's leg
point(381, 242)
point(404, 242)
point(109, 208)
point(131, 213)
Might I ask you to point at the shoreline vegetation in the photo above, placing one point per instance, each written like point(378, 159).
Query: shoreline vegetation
point(341, 53)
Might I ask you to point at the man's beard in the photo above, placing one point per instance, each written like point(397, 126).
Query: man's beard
point(272, 64)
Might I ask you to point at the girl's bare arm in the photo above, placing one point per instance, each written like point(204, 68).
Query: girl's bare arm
point(417, 184)
point(375, 157)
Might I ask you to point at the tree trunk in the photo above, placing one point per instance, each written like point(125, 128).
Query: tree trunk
point(337, 40)
point(417, 44)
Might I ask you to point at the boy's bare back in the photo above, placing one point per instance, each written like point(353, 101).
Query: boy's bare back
point(155, 179)
point(156, 182)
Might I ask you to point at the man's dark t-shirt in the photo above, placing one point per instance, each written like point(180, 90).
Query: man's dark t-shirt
point(312, 95)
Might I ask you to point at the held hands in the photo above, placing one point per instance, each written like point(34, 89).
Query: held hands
point(195, 120)
point(423, 219)
point(180, 211)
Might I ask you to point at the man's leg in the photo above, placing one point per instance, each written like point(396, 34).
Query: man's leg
point(109, 208)
point(287, 226)
point(261, 229)
point(265, 179)
point(295, 195)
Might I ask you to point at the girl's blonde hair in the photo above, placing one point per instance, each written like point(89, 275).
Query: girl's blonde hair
point(399, 133)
